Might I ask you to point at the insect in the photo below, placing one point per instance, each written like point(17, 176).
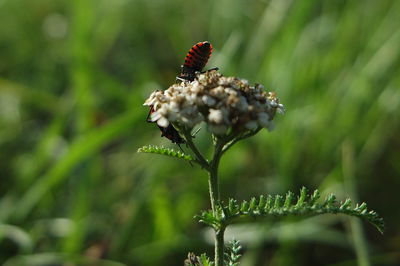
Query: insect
point(195, 61)
point(169, 132)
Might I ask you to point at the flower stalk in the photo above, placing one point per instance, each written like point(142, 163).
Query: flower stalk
point(213, 186)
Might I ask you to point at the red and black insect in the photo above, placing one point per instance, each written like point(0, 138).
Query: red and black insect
point(169, 132)
point(195, 61)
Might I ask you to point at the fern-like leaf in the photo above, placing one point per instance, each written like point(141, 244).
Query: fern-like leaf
point(306, 204)
point(232, 255)
point(205, 261)
point(165, 151)
point(207, 217)
point(194, 260)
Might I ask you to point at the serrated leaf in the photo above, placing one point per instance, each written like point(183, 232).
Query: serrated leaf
point(205, 260)
point(288, 199)
point(278, 201)
point(232, 254)
point(261, 203)
point(252, 204)
point(165, 151)
point(232, 207)
point(330, 200)
point(346, 205)
point(315, 196)
point(302, 197)
point(208, 218)
point(244, 207)
point(306, 205)
point(268, 204)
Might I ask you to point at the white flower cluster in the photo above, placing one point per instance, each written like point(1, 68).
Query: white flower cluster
point(225, 103)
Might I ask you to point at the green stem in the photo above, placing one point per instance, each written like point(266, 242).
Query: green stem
point(213, 184)
point(232, 142)
point(219, 247)
point(200, 158)
point(213, 190)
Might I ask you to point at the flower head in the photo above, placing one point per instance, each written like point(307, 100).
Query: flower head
point(225, 104)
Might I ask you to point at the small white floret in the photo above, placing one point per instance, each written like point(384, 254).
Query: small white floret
point(264, 120)
point(163, 122)
point(215, 116)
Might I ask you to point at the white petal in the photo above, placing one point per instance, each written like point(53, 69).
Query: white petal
point(215, 116)
point(263, 119)
point(173, 106)
point(208, 100)
point(163, 122)
point(155, 116)
point(242, 104)
point(281, 109)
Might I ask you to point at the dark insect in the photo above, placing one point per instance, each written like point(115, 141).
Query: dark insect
point(195, 61)
point(169, 132)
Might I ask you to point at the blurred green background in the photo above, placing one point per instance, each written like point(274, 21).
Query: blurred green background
point(74, 76)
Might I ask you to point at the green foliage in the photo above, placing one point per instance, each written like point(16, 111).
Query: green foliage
point(165, 151)
point(232, 255)
point(194, 260)
point(279, 206)
point(205, 261)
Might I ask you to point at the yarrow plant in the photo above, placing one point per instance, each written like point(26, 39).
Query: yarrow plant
point(233, 110)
